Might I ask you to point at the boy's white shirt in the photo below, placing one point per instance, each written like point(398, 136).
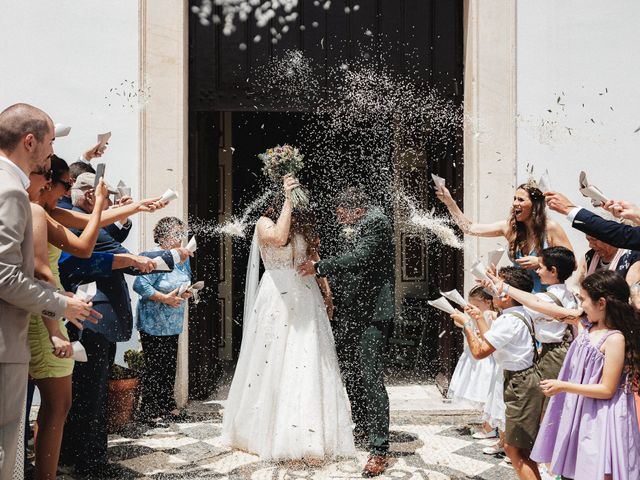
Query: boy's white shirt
point(511, 339)
point(549, 330)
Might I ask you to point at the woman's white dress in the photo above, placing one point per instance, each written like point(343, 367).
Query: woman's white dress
point(472, 379)
point(287, 399)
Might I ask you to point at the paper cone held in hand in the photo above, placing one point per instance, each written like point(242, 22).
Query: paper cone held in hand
point(86, 292)
point(479, 271)
point(79, 353)
point(455, 297)
point(168, 196)
point(442, 304)
point(192, 246)
point(183, 288)
point(161, 265)
point(61, 130)
point(439, 181)
point(494, 256)
point(544, 185)
point(591, 191)
point(103, 138)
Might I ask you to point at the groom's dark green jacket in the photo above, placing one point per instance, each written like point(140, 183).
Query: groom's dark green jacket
point(363, 278)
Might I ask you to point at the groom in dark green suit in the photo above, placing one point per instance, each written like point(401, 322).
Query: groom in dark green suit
point(362, 284)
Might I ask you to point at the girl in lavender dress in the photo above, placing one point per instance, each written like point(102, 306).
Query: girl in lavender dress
point(590, 430)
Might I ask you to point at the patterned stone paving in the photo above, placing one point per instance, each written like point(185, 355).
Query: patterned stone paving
point(428, 443)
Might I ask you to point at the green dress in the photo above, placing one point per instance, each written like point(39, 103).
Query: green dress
point(44, 364)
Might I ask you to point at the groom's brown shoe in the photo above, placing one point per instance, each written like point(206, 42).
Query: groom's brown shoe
point(375, 466)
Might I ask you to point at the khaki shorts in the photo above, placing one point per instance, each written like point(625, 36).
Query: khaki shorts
point(523, 400)
point(551, 359)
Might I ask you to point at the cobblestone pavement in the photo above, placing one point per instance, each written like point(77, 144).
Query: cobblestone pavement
point(430, 439)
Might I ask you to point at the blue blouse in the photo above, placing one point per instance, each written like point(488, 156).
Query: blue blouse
point(156, 318)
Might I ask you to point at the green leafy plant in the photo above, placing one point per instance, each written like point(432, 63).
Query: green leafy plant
point(135, 363)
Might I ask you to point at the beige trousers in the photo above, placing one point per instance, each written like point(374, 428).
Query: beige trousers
point(13, 393)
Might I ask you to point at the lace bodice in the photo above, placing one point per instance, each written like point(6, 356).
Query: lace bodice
point(289, 256)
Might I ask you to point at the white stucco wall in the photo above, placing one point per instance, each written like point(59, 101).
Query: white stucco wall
point(66, 57)
point(578, 74)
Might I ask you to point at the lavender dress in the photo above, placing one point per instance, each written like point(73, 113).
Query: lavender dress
point(584, 437)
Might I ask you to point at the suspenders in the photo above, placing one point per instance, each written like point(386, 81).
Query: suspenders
point(569, 335)
point(531, 334)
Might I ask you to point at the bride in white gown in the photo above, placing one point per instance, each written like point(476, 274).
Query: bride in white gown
point(287, 400)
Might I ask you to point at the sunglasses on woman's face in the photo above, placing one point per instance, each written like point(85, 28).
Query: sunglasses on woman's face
point(67, 185)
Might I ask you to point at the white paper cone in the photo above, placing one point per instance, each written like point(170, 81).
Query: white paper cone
point(183, 288)
point(87, 291)
point(594, 194)
point(591, 191)
point(192, 246)
point(545, 183)
point(494, 256)
point(479, 271)
point(103, 138)
point(124, 191)
point(169, 195)
point(455, 297)
point(79, 353)
point(439, 181)
point(161, 265)
point(61, 130)
point(197, 286)
point(442, 304)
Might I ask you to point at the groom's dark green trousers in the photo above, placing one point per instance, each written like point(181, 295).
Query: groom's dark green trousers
point(360, 351)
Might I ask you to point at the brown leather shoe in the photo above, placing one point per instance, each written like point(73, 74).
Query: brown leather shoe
point(375, 466)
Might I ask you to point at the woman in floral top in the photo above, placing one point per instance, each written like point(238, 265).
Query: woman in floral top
point(160, 320)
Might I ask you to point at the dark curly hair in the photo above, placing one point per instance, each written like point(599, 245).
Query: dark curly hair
point(517, 233)
point(302, 221)
point(619, 315)
point(165, 226)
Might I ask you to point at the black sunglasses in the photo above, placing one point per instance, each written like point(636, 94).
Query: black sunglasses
point(67, 185)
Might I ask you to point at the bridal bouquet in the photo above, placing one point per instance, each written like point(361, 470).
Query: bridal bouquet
point(283, 160)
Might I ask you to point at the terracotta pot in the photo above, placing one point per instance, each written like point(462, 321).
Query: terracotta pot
point(123, 398)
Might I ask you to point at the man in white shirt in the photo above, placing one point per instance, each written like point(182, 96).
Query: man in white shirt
point(511, 341)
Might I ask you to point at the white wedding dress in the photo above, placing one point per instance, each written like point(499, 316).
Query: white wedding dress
point(287, 400)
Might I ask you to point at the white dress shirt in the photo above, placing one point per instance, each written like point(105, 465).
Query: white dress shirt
point(24, 178)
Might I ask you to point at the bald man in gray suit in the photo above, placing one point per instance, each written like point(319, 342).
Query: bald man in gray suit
point(26, 143)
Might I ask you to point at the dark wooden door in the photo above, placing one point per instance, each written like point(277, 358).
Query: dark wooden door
point(421, 39)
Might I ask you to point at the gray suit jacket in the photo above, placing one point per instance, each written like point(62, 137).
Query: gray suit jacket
point(20, 292)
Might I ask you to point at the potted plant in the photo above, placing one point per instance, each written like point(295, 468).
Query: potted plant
point(123, 390)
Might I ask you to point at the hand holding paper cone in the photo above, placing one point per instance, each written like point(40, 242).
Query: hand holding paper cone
point(494, 256)
point(192, 246)
point(439, 181)
point(168, 196)
point(79, 353)
point(442, 304)
point(591, 191)
point(161, 265)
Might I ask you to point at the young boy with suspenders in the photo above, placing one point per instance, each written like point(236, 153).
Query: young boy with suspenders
point(557, 264)
point(511, 341)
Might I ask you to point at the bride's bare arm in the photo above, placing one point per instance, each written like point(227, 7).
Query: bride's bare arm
point(495, 229)
point(277, 233)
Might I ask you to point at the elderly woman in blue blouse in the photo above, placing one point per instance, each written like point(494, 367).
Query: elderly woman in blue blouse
point(160, 319)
